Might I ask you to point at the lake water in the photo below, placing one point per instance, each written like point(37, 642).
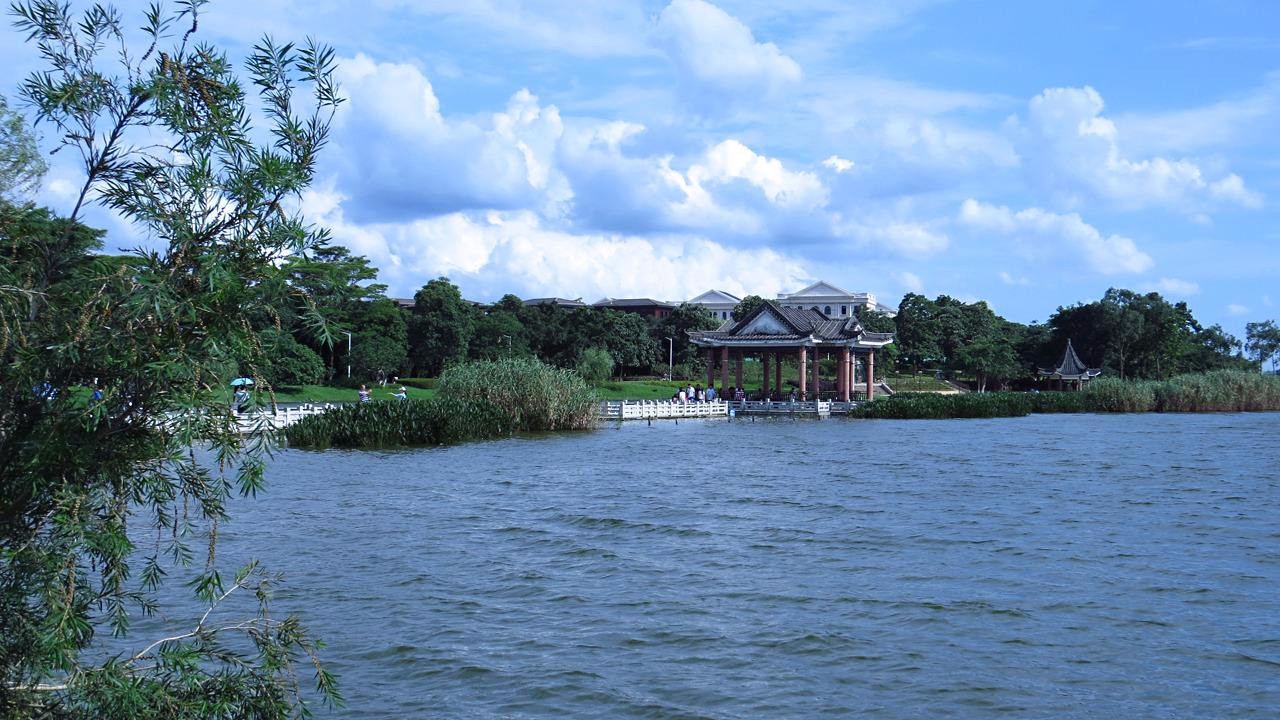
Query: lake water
point(1045, 567)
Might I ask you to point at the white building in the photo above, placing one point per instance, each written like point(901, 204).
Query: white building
point(718, 303)
point(832, 301)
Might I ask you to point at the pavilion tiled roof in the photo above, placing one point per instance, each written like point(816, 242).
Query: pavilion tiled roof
point(801, 326)
point(1071, 368)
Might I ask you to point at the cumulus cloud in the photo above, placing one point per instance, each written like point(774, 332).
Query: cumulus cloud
point(1071, 151)
point(495, 252)
point(400, 157)
point(1237, 310)
point(731, 160)
point(715, 52)
point(1173, 287)
point(1046, 234)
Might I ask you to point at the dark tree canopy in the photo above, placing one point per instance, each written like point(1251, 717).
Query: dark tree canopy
point(440, 329)
point(747, 306)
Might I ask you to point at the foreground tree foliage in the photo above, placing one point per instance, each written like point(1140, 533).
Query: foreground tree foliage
point(101, 499)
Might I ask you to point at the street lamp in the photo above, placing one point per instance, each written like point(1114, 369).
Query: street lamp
point(348, 353)
point(671, 354)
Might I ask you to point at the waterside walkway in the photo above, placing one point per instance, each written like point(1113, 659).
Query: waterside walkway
point(618, 410)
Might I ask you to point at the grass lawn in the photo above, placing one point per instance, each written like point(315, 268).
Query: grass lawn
point(324, 393)
point(639, 389)
point(916, 383)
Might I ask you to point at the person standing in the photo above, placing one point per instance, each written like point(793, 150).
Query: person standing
point(239, 399)
point(364, 394)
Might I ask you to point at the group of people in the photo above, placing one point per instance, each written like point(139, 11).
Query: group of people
point(365, 395)
point(697, 394)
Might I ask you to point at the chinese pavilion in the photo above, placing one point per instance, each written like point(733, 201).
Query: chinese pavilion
point(772, 333)
point(1070, 370)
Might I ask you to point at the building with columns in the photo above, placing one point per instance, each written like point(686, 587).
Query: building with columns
point(833, 302)
point(718, 303)
point(772, 334)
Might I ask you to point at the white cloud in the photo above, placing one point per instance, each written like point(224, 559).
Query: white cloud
point(1173, 287)
point(910, 282)
point(400, 157)
point(838, 164)
point(1070, 150)
point(715, 51)
point(731, 160)
point(1237, 310)
point(497, 252)
point(1008, 279)
point(909, 239)
point(1048, 234)
point(1232, 188)
point(1227, 122)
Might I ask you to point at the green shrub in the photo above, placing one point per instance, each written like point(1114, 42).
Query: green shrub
point(420, 383)
point(906, 406)
point(289, 361)
point(536, 396)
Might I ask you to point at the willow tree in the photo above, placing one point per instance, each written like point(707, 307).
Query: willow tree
point(102, 499)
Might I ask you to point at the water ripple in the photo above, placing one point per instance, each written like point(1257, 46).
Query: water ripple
point(1029, 568)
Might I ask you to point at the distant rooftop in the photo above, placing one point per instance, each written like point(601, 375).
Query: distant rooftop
point(632, 302)
point(558, 301)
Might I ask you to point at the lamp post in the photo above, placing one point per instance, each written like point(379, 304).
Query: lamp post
point(671, 355)
point(348, 353)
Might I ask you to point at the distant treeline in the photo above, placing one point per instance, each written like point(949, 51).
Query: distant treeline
point(322, 316)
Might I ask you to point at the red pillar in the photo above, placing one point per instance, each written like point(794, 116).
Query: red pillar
point(843, 379)
point(737, 373)
point(711, 367)
point(777, 371)
point(804, 371)
point(817, 384)
point(764, 374)
point(724, 370)
point(871, 375)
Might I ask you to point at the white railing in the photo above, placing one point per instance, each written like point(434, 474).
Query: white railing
point(660, 409)
point(784, 407)
point(282, 416)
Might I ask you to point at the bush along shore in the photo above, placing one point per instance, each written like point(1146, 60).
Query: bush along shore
point(1218, 391)
point(477, 401)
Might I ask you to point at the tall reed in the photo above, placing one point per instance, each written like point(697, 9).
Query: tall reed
point(1216, 391)
point(536, 396)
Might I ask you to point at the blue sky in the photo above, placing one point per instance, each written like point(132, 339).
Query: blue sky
point(1028, 154)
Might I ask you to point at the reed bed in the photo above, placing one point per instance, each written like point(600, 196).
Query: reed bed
point(1217, 391)
point(536, 396)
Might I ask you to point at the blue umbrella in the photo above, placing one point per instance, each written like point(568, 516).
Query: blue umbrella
point(241, 381)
